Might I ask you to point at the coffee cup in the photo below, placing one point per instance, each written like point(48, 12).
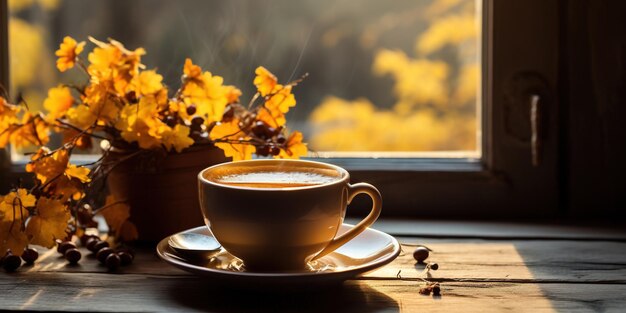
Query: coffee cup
point(278, 215)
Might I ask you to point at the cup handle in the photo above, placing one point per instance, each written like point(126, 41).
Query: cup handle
point(377, 203)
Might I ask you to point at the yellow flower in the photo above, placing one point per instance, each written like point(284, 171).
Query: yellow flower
point(58, 102)
point(140, 123)
point(100, 107)
point(232, 94)
point(147, 83)
point(208, 95)
point(265, 82)
point(274, 109)
point(177, 138)
point(230, 139)
point(191, 70)
point(294, 148)
point(113, 62)
point(13, 205)
point(49, 223)
point(68, 52)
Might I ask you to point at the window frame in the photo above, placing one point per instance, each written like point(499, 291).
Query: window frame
point(502, 183)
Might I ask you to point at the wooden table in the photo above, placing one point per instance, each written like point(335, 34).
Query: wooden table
point(511, 267)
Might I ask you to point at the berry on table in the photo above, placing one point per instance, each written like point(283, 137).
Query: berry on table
point(103, 254)
point(91, 243)
point(30, 255)
point(64, 246)
point(99, 245)
point(72, 255)
point(125, 257)
point(112, 261)
point(420, 254)
point(11, 262)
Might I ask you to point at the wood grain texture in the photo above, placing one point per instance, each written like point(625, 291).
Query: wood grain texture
point(476, 275)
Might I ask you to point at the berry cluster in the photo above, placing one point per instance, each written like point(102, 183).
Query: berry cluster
point(272, 138)
point(111, 258)
point(10, 262)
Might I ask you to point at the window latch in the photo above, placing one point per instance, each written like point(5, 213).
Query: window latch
point(526, 97)
point(535, 139)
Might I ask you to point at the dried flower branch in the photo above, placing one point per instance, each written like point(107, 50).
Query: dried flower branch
point(127, 107)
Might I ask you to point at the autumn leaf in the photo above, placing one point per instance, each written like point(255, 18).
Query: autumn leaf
point(79, 172)
point(33, 132)
point(230, 135)
point(273, 118)
point(265, 82)
point(178, 138)
point(275, 107)
point(115, 213)
point(294, 148)
point(12, 237)
point(13, 205)
point(49, 223)
point(68, 52)
point(65, 188)
point(282, 100)
point(48, 166)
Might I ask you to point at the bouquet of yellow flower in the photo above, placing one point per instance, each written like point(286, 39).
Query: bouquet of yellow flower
point(127, 106)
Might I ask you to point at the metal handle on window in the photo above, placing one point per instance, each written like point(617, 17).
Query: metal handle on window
point(535, 143)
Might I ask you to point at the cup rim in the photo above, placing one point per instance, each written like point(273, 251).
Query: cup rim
point(345, 176)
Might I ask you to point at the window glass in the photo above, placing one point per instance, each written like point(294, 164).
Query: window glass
point(397, 76)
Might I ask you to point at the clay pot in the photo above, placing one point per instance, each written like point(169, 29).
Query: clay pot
point(162, 190)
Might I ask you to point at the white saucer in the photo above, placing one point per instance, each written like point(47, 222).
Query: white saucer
point(368, 251)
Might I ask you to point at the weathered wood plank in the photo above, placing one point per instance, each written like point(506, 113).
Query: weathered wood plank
point(476, 275)
point(136, 293)
point(538, 261)
point(473, 260)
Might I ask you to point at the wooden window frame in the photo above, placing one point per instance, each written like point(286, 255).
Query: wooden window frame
point(502, 183)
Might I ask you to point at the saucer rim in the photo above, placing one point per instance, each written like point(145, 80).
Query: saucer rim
point(208, 271)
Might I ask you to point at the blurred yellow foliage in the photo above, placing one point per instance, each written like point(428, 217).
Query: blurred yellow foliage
point(343, 125)
point(418, 81)
point(25, 52)
point(452, 30)
point(17, 5)
point(435, 108)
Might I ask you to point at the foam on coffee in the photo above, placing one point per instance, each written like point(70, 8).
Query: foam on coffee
point(273, 177)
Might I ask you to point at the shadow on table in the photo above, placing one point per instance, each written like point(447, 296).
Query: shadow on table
point(352, 296)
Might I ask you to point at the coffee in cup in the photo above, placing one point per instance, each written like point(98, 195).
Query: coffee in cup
point(277, 215)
